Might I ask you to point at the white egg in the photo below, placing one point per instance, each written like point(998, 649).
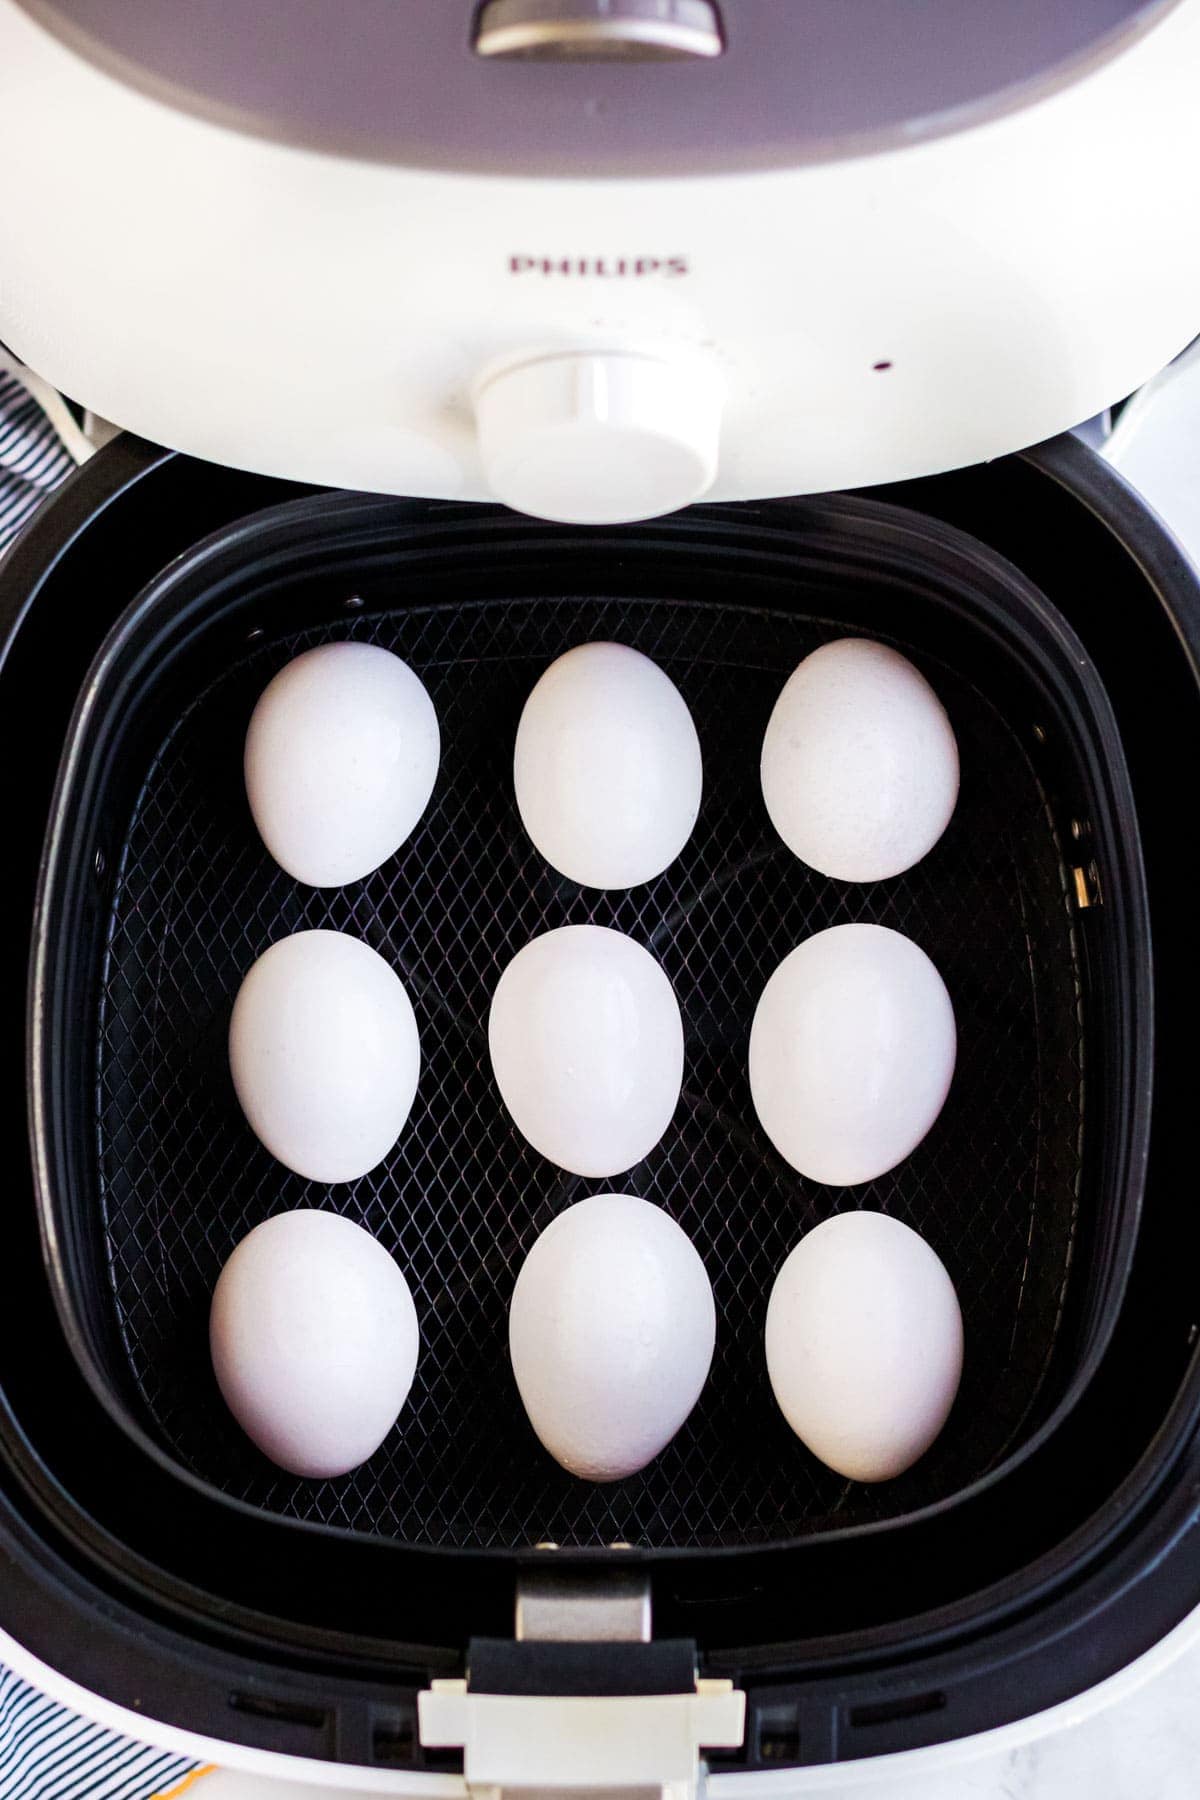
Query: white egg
point(851, 1053)
point(859, 762)
point(341, 757)
point(587, 1048)
point(607, 767)
point(864, 1344)
point(314, 1341)
point(611, 1334)
point(324, 1054)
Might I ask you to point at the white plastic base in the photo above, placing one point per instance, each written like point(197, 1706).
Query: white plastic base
point(875, 1775)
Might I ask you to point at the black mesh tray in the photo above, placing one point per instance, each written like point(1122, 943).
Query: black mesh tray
point(157, 895)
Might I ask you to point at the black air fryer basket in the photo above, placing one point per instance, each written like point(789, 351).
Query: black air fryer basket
point(1048, 1185)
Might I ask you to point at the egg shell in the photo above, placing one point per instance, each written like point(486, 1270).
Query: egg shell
point(587, 1048)
point(324, 1053)
point(859, 762)
point(864, 1344)
point(607, 767)
point(341, 758)
point(611, 1334)
point(852, 1052)
point(314, 1341)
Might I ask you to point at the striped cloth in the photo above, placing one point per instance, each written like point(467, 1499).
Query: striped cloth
point(46, 1751)
point(33, 458)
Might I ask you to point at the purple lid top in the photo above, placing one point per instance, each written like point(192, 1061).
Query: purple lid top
point(401, 80)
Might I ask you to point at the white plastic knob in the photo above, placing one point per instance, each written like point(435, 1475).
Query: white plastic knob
point(600, 438)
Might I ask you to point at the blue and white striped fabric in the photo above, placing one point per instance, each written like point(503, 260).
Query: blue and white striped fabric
point(46, 1751)
point(33, 458)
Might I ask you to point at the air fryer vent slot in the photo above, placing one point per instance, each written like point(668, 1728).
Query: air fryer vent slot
point(888, 1712)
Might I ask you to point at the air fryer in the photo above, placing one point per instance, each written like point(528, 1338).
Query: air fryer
point(152, 1556)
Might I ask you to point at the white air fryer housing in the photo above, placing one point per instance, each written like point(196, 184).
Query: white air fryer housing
point(341, 245)
point(776, 246)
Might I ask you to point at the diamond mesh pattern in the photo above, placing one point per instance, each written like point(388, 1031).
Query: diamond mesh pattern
point(462, 1198)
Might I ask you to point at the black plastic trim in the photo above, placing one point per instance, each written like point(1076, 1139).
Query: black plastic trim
point(502, 1666)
